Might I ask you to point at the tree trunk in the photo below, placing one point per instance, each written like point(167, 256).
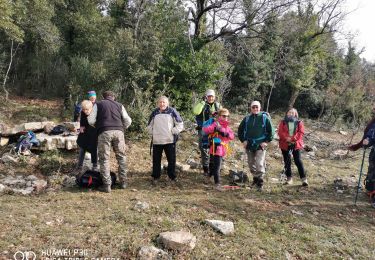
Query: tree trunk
point(7, 73)
point(270, 94)
point(293, 97)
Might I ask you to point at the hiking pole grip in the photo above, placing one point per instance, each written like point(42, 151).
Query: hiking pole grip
point(360, 176)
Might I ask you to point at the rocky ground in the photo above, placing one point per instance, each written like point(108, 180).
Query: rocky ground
point(42, 209)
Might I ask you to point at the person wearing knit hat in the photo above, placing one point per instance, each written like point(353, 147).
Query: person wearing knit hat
point(91, 95)
point(203, 111)
point(255, 132)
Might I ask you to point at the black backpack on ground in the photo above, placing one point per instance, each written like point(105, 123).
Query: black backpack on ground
point(92, 179)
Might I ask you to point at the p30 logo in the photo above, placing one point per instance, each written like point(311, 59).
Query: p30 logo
point(24, 255)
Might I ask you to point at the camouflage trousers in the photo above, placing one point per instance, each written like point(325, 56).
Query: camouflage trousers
point(106, 140)
point(205, 155)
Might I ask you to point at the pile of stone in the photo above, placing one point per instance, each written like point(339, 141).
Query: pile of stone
point(66, 140)
point(20, 184)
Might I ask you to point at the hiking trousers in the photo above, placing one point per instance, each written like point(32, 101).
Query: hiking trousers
point(297, 160)
point(256, 161)
point(106, 140)
point(170, 153)
point(215, 167)
point(205, 154)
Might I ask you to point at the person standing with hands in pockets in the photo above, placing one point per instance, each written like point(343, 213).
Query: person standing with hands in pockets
point(255, 132)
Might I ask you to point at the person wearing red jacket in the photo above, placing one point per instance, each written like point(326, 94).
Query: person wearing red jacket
point(291, 131)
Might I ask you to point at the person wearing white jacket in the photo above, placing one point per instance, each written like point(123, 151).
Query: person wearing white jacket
point(164, 125)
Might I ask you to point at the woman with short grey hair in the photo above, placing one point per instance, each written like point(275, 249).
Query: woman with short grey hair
point(164, 126)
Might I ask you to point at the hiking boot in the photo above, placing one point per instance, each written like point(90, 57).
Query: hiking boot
point(123, 185)
point(205, 170)
point(207, 179)
point(304, 182)
point(255, 181)
point(105, 188)
point(259, 185)
point(289, 181)
point(218, 187)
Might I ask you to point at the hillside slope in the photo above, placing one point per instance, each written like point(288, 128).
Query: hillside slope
point(320, 222)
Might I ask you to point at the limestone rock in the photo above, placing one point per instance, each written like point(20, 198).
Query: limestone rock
point(152, 253)
point(39, 185)
point(25, 191)
point(2, 188)
point(30, 126)
point(141, 205)
point(8, 158)
point(178, 240)
point(182, 167)
point(224, 227)
point(53, 142)
point(69, 181)
point(193, 164)
point(339, 154)
point(4, 141)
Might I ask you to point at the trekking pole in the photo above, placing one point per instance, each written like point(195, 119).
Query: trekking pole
point(360, 176)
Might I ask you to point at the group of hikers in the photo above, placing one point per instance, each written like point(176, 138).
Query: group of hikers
point(102, 127)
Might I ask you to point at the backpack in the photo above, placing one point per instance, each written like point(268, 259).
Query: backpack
point(77, 112)
point(238, 176)
point(92, 179)
point(26, 141)
point(59, 129)
point(205, 137)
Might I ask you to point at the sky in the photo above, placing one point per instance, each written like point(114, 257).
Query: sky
point(361, 23)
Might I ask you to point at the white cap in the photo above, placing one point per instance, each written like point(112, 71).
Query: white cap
point(210, 92)
point(255, 103)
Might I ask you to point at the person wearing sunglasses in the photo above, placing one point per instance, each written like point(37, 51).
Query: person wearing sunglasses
point(220, 135)
point(255, 132)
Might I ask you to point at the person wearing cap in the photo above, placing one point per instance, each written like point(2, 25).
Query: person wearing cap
point(204, 110)
point(91, 95)
point(255, 132)
point(110, 119)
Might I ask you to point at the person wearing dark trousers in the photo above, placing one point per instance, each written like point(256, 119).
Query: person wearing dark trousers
point(220, 135)
point(170, 153)
point(291, 131)
point(288, 163)
point(164, 126)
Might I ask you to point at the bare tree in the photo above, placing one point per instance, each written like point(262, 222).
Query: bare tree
point(13, 51)
point(230, 17)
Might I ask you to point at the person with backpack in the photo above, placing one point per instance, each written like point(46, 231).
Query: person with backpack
point(110, 119)
point(219, 137)
point(291, 131)
point(87, 138)
point(203, 111)
point(164, 126)
point(255, 132)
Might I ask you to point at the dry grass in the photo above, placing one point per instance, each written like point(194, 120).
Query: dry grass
point(280, 222)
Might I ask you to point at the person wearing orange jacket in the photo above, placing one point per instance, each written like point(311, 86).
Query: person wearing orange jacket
point(291, 131)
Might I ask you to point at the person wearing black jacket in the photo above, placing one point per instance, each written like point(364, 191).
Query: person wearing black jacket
point(87, 138)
